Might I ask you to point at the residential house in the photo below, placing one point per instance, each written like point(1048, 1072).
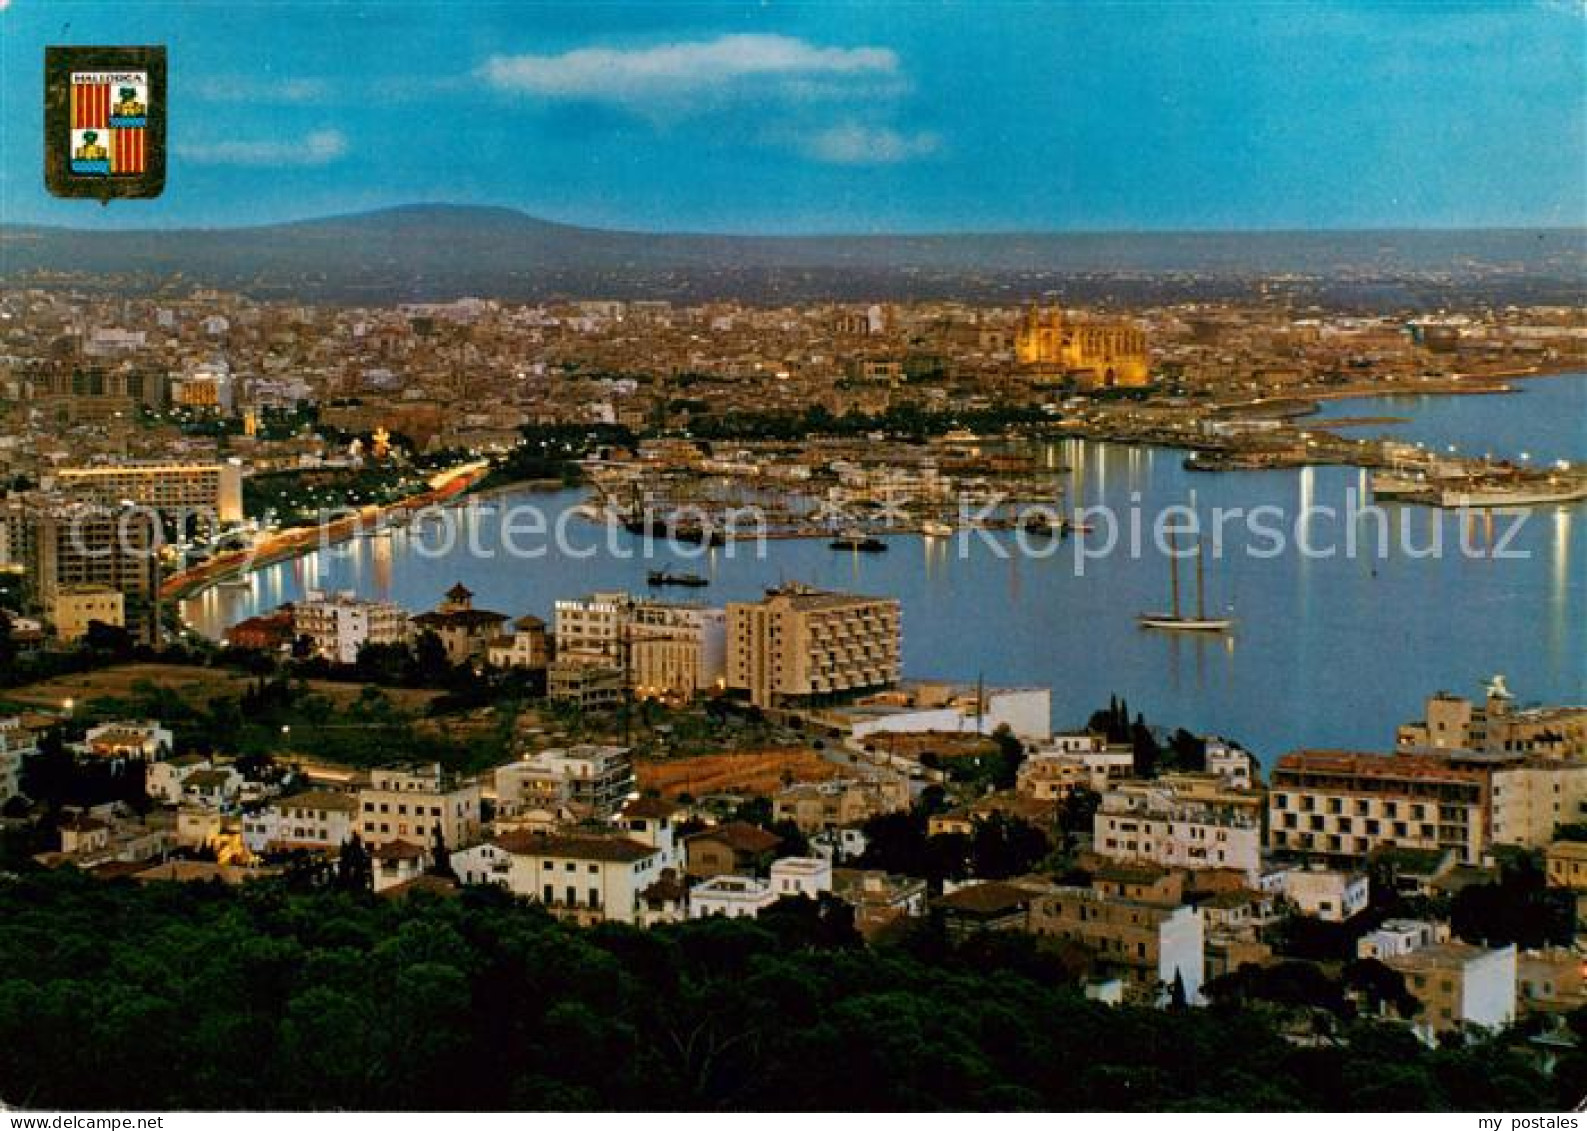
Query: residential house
point(411, 804)
point(980, 907)
point(878, 898)
point(592, 781)
point(732, 897)
point(316, 820)
point(1152, 946)
point(584, 877)
point(735, 848)
point(1459, 985)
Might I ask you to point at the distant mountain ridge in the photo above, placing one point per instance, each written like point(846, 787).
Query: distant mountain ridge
point(426, 252)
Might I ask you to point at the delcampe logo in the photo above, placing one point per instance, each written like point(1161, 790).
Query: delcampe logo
point(104, 122)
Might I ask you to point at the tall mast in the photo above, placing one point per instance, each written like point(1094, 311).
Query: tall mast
point(1201, 602)
point(1173, 570)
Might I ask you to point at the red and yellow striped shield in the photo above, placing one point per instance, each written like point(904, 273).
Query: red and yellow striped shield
point(126, 151)
point(90, 106)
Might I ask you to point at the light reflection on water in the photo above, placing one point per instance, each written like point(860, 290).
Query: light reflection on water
point(1327, 651)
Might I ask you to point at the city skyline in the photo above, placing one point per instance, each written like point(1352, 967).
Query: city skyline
point(848, 118)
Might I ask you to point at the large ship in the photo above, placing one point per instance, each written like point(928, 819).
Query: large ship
point(1518, 494)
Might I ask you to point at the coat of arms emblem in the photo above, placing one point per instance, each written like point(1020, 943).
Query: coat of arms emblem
point(105, 121)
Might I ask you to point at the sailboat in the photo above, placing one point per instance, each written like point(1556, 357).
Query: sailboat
point(1174, 621)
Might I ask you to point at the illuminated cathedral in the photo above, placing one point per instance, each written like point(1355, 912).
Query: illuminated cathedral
point(1096, 354)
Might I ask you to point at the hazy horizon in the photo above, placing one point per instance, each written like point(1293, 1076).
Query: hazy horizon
point(844, 118)
point(633, 229)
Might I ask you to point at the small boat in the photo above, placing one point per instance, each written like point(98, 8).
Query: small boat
point(1175, 621)
point(931, 528)
point(1039, 523)
point(857, 540)
point(242, 584)
point(667, 577)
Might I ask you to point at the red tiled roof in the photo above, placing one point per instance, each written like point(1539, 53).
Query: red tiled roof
point(740, 836)
point(573, 846)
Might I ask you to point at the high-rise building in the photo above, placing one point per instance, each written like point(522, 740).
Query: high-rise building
point(84, 544)
point(800, 644)
point(193, 488)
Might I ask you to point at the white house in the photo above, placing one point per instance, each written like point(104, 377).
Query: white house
point(162, 781)
point(801, 875)
point(318, 820)
point(586, 877)
point(16, 743)
point(148, 740)
point(653, 821)
point(1399, 937)
point(733, 897)
point(1325, 893)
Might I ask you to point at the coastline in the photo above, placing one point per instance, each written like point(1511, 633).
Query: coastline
point(446, 487)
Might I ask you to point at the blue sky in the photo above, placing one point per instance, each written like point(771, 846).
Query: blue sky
point(841, 117)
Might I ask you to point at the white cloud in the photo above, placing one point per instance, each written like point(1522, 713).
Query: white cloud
point(747, 65)
point(851, 143)
point(318, 148)
point(246, 88)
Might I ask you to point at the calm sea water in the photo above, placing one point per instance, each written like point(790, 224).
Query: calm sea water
point(1544, 420)
point(1328, 650)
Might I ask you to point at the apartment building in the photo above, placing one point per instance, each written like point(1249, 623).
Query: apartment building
point(208, 489)
point(799, 644)
point(316, 821)
point(1181, 821)
point(1074, 762)
point(338, 625)
point(1147, 944)
point(664, 649)
point(1533, 795)
point(592, 781)
point(409, 805)
point(526, 648)
point(1345, 805)
point(590, 687)
point(83, 544)
point(1342, 805)
point(1496, 725)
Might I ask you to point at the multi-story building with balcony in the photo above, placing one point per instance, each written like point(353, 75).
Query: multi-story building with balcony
point(1192, 823)
point(801, 645)
point(409, 805)
point(664, 649)
point(205, 489)
point(1343, 805)
point(338, 625)
point(591, 781)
